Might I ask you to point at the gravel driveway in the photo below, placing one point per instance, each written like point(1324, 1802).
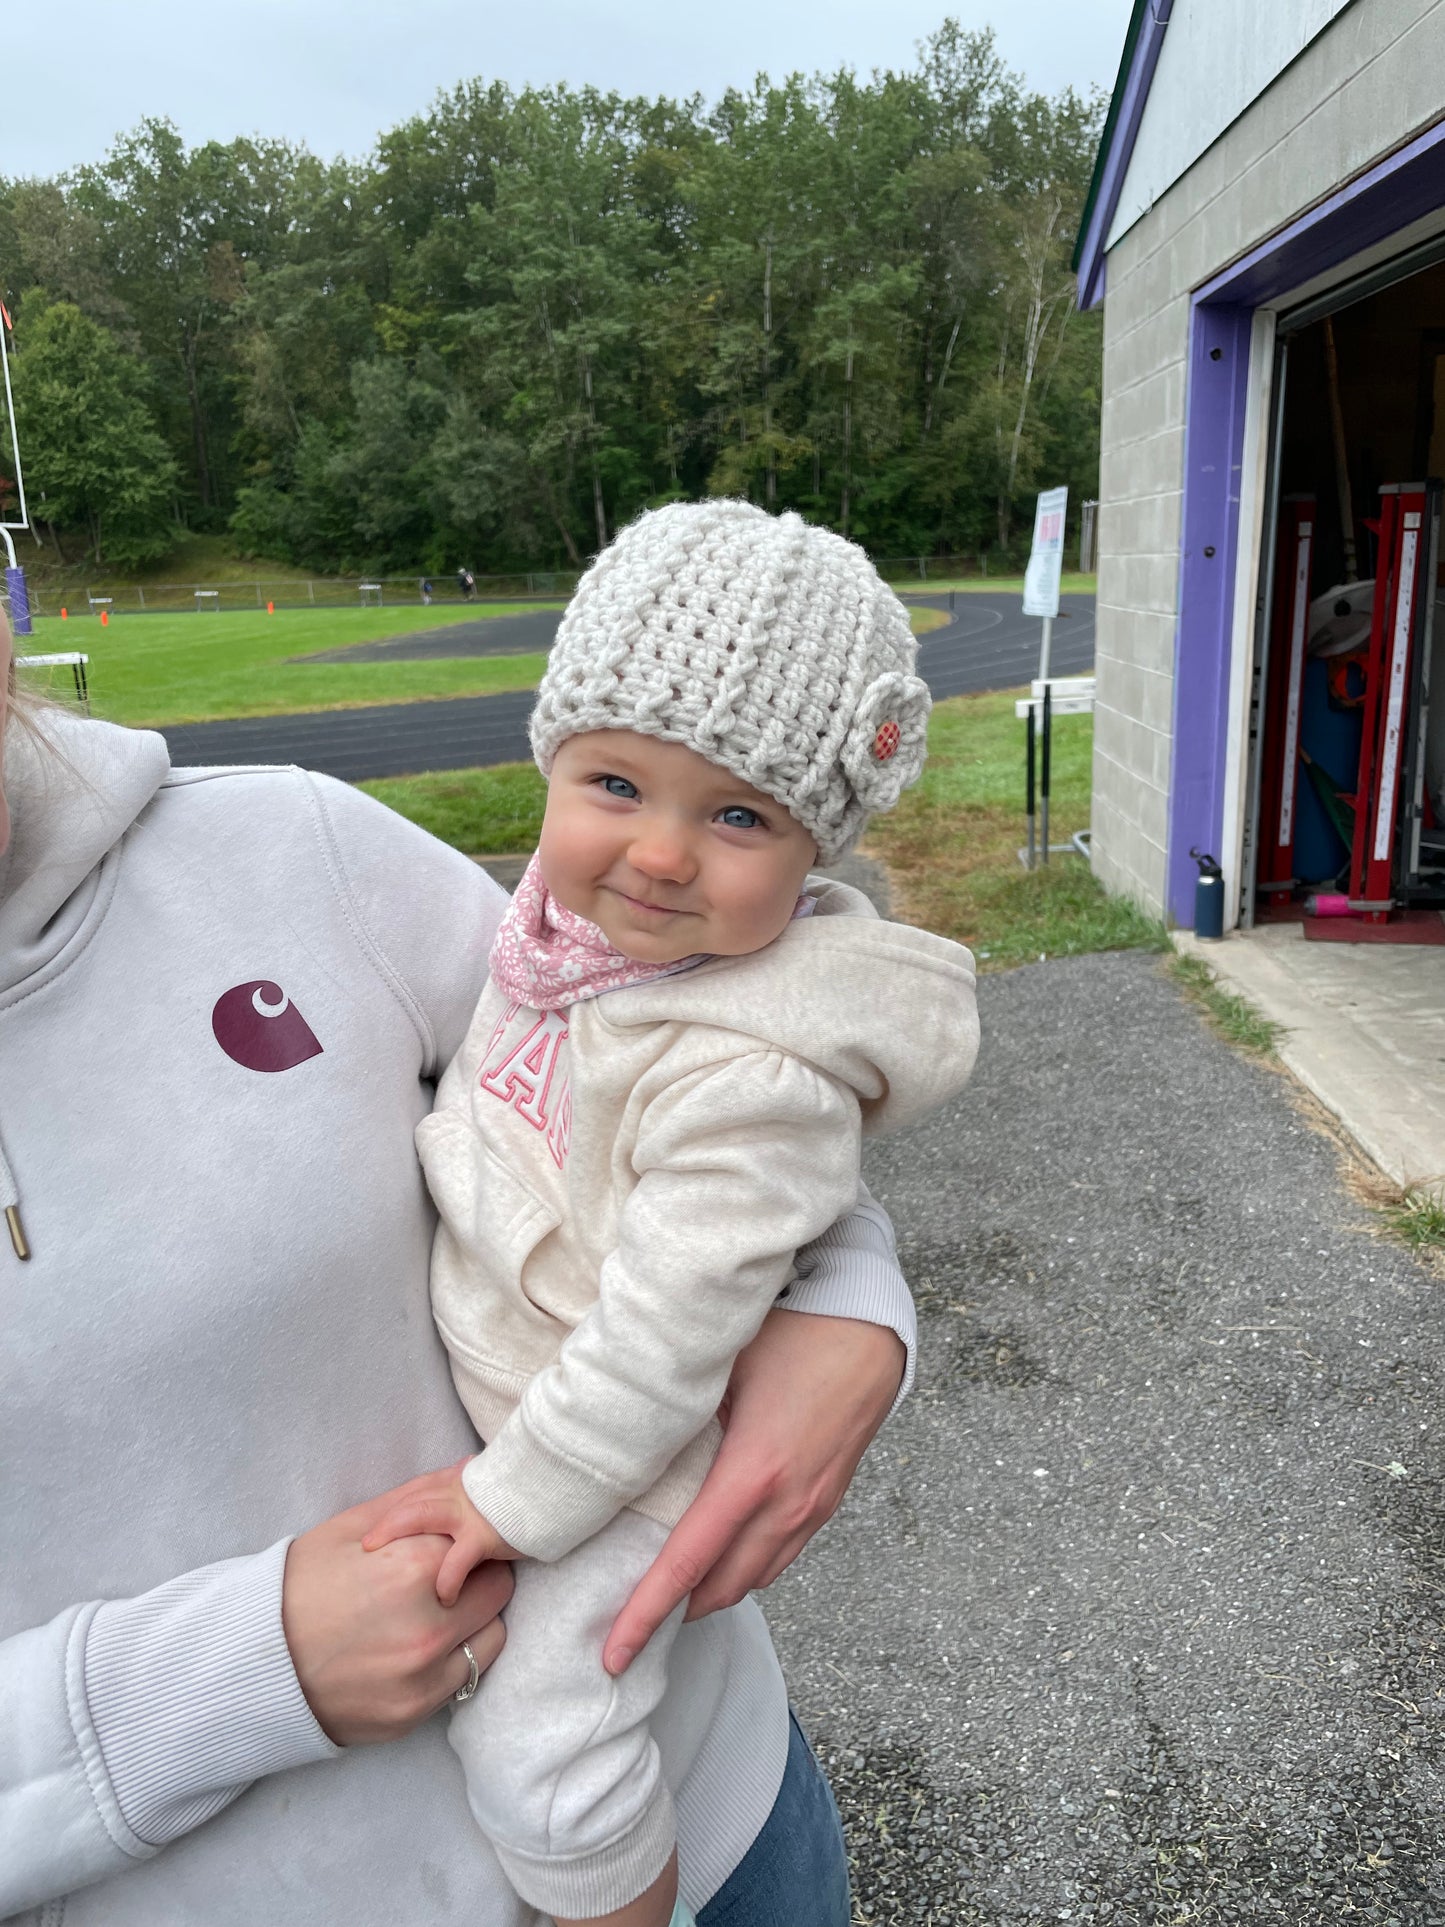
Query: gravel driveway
point(1135, 1612)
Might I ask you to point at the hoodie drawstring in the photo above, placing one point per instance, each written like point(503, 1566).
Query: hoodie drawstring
point(10, 1202)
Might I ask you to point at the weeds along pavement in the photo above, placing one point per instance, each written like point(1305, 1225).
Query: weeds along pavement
point(1134, 1614)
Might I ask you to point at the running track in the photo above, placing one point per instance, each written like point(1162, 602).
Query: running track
point(987, 644)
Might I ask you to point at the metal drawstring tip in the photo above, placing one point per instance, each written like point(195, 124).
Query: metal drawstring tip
point(17, 1231)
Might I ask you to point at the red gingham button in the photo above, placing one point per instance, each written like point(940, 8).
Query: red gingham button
point(886, 741)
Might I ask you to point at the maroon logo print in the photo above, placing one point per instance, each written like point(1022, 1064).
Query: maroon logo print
point(258, 1025)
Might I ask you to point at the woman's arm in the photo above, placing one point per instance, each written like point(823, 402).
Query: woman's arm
point(805, 1402)
point(123, 1723)
point(126, 1723)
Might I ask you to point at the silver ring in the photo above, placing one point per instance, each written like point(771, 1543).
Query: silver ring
point(465, 1692)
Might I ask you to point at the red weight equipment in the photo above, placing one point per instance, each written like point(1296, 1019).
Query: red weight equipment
point(1399, 585)
point(1289, 635)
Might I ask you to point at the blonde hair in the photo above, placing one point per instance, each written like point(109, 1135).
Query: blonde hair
point(24, 706)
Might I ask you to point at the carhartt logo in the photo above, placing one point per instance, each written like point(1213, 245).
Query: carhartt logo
point(258, 1025)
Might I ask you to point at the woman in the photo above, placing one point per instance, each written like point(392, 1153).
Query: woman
point(222, 997)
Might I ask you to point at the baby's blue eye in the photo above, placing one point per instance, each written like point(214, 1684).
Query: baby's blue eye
point(618, 786)
point(738, 818)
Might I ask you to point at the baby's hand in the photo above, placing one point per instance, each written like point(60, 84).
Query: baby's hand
point(440, 1505)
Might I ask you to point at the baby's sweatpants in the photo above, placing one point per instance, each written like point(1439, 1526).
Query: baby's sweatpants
point(562, 1770)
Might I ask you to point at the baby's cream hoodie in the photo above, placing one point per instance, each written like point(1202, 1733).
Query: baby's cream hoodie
point(623, 1185)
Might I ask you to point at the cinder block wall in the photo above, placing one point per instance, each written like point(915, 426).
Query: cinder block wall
point(1373, 79)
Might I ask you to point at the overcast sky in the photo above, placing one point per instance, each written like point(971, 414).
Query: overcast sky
point(335, 72)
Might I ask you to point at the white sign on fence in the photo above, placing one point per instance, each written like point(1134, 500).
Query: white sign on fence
point(1046, 558)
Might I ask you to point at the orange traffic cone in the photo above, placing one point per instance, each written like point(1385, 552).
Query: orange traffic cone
point(65, 615)
point(105, 618)
point(270, 608)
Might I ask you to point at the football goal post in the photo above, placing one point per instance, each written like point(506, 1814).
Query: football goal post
point(16, 591)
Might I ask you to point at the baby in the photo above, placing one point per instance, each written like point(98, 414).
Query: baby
point(659, 1101)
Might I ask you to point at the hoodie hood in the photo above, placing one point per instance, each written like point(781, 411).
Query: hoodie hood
point(886, 1009)
point(72, 796)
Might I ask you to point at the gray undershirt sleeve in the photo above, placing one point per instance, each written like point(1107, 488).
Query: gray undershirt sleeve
point(852, 1272)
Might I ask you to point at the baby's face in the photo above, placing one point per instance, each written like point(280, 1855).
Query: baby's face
point(668, 854)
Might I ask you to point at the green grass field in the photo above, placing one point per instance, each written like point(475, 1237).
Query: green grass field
point(147, 670)
point(482, 812)
point(155, 669)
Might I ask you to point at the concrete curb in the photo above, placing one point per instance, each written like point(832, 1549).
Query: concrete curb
point(1335, 1041)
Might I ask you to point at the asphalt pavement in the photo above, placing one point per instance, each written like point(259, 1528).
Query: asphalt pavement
point(516, 635)
point(986, 644)
point(388, 739)
point(1134, 1613)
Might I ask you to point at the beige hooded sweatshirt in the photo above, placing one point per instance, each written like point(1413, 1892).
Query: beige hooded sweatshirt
point(623, 1186)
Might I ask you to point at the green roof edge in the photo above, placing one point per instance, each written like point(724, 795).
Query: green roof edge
point(1131, 40)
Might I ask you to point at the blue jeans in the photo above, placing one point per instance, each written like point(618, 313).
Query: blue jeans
point(795, 1874)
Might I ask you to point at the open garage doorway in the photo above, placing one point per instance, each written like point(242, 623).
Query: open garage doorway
point(1345, 817)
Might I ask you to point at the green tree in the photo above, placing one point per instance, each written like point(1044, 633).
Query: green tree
point(527, 315)
point(91, 448)
point(178, 229)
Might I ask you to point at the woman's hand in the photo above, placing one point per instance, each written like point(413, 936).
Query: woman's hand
point(374, 1649)
point(806, 1398)
point(438, 1503)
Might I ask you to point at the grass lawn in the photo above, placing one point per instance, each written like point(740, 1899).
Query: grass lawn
point(146, 670)
point(922, 620)
point(951, 845)
point(484, 812)
point(211, 559)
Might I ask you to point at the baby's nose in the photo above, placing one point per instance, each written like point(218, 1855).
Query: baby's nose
point(663, 853)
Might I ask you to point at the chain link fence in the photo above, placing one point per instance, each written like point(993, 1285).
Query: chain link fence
point(916, 571)
point(319, 592)
point(906, 572)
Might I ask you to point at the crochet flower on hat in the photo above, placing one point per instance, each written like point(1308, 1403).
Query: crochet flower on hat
point(884, 750)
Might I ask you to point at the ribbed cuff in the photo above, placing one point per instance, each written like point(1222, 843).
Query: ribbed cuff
point(852, 1272)
point(730, 1789)
point(192, 1694)
point(599, 1882)
point(542, 1504)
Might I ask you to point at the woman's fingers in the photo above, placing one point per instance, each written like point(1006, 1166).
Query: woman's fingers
point(482, 1598)
point(475, 1620)
point(710, 1525)
point(454, 1569)
point(749, 1565)
point(412, 1516)
point(774, 1511)
point(371, 1511)
point(806, 1397)
point(485, 1645)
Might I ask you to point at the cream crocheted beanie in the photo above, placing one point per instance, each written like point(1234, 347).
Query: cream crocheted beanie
point(767, 645)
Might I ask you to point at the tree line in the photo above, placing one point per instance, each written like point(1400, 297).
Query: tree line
point(525, 316)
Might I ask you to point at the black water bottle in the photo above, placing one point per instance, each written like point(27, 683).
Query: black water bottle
point(1208, 898)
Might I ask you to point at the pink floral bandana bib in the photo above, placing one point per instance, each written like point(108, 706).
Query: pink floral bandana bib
point(547, 957)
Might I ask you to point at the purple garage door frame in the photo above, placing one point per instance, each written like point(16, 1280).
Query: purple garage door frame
point(1388, 197)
